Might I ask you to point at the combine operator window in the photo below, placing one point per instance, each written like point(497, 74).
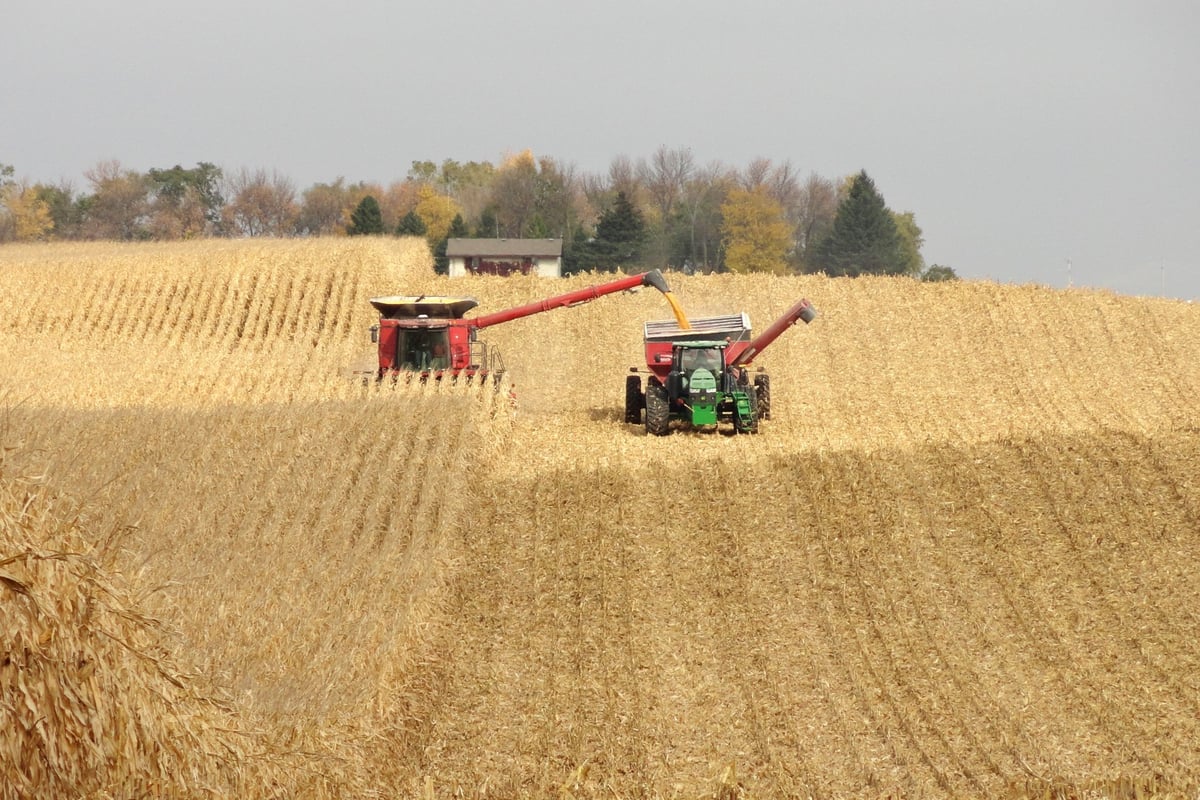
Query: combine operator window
point(425, 350)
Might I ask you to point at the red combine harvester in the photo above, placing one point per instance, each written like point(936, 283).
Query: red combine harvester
point(428, 337)
point(700, 375)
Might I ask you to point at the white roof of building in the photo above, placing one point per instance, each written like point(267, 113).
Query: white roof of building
point(504, 248)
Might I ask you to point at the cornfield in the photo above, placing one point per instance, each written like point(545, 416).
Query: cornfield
point(961, 559)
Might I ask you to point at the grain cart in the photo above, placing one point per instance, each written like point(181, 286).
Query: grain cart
point(700, 375)
point(428, 336)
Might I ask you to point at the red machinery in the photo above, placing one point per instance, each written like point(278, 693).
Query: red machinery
point(734, 329)
point(428, 336)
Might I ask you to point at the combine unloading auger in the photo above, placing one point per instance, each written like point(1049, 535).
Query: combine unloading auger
point(430, 337)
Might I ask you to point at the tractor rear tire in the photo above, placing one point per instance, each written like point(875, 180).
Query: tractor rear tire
point(747, 424)
point(762, 385)
point(635, 401)
point(658, 411)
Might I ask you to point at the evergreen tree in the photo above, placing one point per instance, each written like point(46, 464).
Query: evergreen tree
point(367, 218)
point(488, 227)
point(864, 239)
point(458, 230)
point(411, 225)
point(575, 252)
point(537, 228)
point(622, 224)
point(620, 234)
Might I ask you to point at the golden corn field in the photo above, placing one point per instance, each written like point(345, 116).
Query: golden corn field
point(962, 559)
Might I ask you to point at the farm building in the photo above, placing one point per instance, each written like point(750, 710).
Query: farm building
point(505, 257)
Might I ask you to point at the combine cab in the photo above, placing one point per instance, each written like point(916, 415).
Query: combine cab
point(699, 375)
point(429, 337)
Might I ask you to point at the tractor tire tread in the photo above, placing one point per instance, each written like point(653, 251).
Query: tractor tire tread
point(762, 386)
point(658, 412)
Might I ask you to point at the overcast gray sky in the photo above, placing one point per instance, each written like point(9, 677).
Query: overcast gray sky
point(1035, 141)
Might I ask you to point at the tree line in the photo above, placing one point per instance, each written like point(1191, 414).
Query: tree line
point(664, 211)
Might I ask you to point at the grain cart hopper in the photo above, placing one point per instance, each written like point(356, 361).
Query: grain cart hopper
point(700, 375)
point(428, 336)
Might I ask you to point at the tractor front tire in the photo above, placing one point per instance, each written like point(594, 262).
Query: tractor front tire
point(762, 386)
point(658, 412)
point(635, 401)
point(748, 424)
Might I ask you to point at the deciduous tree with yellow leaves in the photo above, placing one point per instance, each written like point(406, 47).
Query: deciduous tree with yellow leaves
point(24, 215)
point(437, 212)
point(31, 215)
point(756, 234)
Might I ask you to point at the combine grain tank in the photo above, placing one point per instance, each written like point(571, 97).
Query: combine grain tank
point(700, 375)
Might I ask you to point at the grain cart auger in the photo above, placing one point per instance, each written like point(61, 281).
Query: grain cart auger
point(700, 375)
point(428, 337)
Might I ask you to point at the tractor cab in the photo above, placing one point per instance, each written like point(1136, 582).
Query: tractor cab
point(697, 378)
point(697, 359)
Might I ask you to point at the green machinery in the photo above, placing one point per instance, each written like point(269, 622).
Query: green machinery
point(700, 375)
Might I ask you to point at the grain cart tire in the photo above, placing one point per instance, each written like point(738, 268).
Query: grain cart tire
point(635, 401)
point(658, 412)
point(762, 386)
point(747, 424)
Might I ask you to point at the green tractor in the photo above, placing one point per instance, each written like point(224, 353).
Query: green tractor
point(701, 390)
point(700, 374)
